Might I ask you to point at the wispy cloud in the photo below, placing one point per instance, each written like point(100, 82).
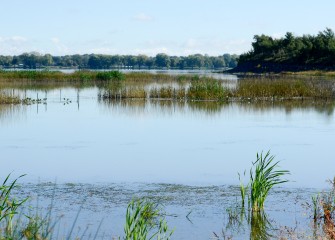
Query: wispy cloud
point(142, 17)
point(61, 48)
point(14, 45)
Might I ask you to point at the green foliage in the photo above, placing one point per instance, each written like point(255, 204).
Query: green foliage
point(290, 53)
point(206, 90)
point(8, 206)
point(263, 177)
point(143, 222)
point(110, 75)
point(102, 61)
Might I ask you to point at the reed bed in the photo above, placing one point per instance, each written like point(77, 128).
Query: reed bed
point(181, 87)
point(283, 88)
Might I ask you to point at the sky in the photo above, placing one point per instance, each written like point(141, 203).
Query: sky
point(174, 27)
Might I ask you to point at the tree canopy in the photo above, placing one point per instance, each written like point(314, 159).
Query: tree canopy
point(289, 52)
point(101, 61)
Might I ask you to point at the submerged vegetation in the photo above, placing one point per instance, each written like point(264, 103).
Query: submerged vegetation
point(144, 220)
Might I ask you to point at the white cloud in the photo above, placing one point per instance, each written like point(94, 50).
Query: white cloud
point(61, 49)
point(14, 45)
point(142, 17)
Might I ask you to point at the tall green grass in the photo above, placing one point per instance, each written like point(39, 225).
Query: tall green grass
point(263, 177)
point(144, 221)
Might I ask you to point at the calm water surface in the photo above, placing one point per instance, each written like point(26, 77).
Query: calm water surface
point(187, 154)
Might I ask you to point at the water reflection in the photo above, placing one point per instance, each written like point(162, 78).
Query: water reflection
point(260, 227)
point(10, 113)
point(140, 106)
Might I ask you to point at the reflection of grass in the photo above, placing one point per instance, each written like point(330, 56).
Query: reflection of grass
point(5, 99)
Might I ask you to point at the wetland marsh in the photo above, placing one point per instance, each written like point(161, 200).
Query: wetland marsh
point(181, 152)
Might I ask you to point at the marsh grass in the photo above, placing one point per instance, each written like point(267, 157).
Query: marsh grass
point(193, 88)
point(323, 207)
point(311, 73)
point(263, 177)
point(144, 221)
point(283, 89)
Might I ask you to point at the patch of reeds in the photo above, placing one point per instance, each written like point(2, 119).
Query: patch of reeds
point(312, 73)
point(144, 221)
point(264, 175)
point(57, 75)
point(283, 88)
point(206, 89)
point(323, 207)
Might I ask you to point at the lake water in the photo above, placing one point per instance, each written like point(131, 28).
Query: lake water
point(188, 154)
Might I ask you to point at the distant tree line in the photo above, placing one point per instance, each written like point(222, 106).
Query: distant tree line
point(100, 61)
point(290, 52)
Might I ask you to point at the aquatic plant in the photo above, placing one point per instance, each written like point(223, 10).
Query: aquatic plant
point(110, 75)
point(206, 89)
point(8, 205)
point(141, 222)
point(263, 177)
point(282, 88)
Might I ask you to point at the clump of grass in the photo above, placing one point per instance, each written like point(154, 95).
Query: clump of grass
point(263, 178)
point(324, 209)
point(283, 88)
point(8, 207)
point(206, 90)
point(110, 76)
point(143, 222)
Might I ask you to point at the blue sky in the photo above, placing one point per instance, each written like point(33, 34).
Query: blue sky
point(175, 27)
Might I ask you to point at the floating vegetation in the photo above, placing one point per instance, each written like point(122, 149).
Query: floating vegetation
point(144, 220)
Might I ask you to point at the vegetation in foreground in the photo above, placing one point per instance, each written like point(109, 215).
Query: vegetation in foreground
point(144, 220)
point(289, 53)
